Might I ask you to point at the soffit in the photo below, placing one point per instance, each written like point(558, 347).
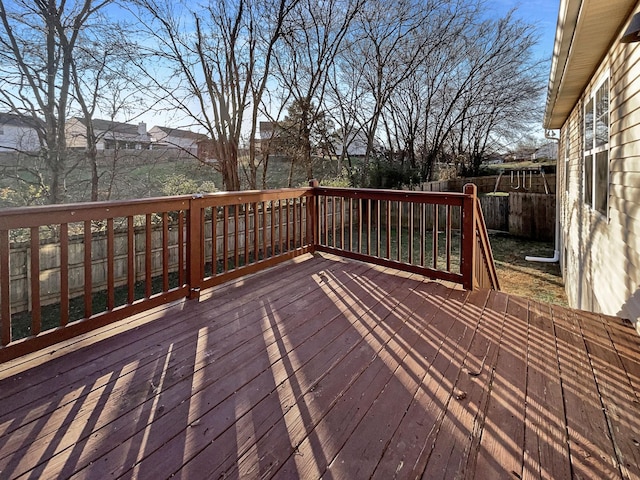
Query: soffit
point(584, 33)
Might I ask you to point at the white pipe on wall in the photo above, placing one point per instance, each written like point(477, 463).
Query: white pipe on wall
point(556, 251)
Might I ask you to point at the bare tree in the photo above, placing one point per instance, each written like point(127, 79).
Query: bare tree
point(466, 93)
point(314, 36)
point(506, 98)
point(39, 41)
point(393, 40)
point(218, 58)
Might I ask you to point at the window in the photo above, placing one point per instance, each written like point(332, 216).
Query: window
point(596, 149)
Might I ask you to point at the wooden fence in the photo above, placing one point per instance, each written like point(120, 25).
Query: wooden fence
point(521, 214)
point(528, 214)
point(532, 215)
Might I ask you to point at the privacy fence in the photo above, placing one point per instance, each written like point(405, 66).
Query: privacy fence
point(527, 213)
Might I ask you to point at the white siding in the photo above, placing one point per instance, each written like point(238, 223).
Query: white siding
point(601, 262)
point(18, 138)
point(189, 144)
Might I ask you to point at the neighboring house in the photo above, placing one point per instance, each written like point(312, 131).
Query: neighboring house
point(110, 135)
point(594, 99)
point(18, 134)
point(185, 140)
point(356, 145)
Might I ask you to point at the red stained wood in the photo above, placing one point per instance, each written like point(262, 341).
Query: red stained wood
point(388, 228)
point(147, 258)
point(88, 290)
point(434, 248)
point(410, 235)
point(423, 226)
point(272, 209)
point(502, 447)
point(359, 371)
point(131, 255)
point(264, 229)
point(236, 236)
point(165, 251)
point(468, 228)
point(616, 392)
point(225, 238)
point(247, 228)
point(214, 242)
point(590, 447)
point(378, 229)
point(181, 247)
point(399, 232)
point(448, 238)
point(35, 281)
point(294, 228)
point(111, 303)
point(5, 284)
point(280, 226)
point(546, 453)
point(64, 274)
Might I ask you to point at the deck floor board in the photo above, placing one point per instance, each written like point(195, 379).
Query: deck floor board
point(329, 368)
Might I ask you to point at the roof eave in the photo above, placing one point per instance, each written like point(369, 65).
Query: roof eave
point(584, 34)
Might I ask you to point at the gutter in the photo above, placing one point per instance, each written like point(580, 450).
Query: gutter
point(550, 135)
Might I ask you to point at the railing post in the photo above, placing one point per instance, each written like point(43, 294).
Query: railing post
point(195, 247)
point(312, 216)
point(468, 250)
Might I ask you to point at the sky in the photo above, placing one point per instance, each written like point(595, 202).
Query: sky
point(542, 13)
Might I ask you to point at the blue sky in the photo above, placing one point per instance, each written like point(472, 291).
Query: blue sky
point(542, 13)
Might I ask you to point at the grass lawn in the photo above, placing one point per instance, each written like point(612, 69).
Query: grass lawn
point(496, 168)
point(538, 281)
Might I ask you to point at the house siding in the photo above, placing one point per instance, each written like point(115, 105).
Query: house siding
point(18, 139)
point(76, 134)
point(601, 253)
point(187, 141)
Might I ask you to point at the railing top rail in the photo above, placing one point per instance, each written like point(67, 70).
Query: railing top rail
point(486, 248)
point(251, 196)
point(34, 216)
point(443, 198)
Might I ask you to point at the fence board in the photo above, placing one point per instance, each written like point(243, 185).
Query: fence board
point(532, 215)
point(496, 212)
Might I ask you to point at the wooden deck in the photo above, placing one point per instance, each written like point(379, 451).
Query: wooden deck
point(325, 367)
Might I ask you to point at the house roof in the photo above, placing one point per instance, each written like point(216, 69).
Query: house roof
point(18, 120)
point(175, 132)
point(110, 126)
point(584, 33)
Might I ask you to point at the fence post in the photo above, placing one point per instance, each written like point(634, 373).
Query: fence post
point(195, 247)
point(468, 250)
point(312, 216)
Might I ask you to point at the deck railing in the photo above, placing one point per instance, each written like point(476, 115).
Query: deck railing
point(68, 269)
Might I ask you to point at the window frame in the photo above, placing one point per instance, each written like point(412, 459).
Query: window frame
point(596, 146)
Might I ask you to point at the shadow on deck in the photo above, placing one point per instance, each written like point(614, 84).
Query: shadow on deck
point(326, 367)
